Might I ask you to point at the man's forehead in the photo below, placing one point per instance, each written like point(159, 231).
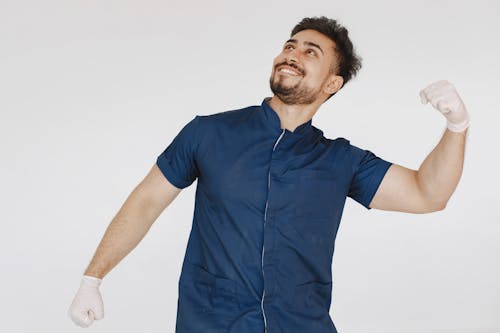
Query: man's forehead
point(313, 36)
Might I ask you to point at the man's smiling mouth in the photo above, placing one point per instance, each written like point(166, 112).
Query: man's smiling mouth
point(289, 71)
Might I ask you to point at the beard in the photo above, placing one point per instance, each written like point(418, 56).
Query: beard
point(292, 94)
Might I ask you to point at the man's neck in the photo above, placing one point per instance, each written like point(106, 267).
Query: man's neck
point(292, 116)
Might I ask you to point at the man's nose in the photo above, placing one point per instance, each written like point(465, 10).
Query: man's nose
point(291, 56)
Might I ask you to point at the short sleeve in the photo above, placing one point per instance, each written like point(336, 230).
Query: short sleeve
point(178, 161)
point(369, 170)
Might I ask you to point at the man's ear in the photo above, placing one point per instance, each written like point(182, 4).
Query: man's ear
point(334, 83)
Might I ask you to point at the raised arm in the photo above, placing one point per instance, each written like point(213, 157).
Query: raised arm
point(429, 188)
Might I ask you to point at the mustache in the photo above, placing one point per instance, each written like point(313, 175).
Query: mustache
point(291, 65)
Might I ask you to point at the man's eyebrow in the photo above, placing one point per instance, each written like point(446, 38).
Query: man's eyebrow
point(294, 41)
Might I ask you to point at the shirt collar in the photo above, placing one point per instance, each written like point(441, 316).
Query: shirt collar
point(273, 120)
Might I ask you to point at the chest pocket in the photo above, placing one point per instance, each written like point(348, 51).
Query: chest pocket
point(313, 193)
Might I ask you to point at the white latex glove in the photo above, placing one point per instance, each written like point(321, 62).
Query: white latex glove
point(444, 97)
point(87, 304)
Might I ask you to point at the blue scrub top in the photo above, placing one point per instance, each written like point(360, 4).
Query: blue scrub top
point(267, 209)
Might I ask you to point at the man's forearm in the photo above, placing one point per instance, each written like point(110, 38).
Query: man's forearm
point(441, 170)
point(126, 230)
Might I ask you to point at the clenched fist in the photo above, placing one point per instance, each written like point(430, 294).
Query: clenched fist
point(87, 304)
point(444, 97)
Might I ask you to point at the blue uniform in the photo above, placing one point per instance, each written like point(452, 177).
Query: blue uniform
point(267, 209)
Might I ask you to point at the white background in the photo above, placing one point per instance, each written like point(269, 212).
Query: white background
point(92, 91)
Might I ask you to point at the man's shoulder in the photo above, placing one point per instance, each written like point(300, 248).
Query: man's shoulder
point(229, 117)
point(333, 142)
point(345, 146)
point(229, 113)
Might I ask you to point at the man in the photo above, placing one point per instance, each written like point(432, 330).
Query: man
point(270, 195)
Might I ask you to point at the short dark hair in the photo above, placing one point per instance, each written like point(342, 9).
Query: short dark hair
point(349, 63)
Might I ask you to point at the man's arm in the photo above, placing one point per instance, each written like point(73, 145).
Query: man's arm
point(428, 189)
point(142, 207)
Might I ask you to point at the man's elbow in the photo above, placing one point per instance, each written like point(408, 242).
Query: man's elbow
point(436, 207)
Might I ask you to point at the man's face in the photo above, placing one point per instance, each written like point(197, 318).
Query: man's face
point(302, 69)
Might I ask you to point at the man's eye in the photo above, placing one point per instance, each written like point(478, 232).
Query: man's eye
point(287, 47)
point(311, 52)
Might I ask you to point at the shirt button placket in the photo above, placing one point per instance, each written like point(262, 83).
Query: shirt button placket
point(263, 247)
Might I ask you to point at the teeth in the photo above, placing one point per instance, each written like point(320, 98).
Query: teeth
point(288, 71)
